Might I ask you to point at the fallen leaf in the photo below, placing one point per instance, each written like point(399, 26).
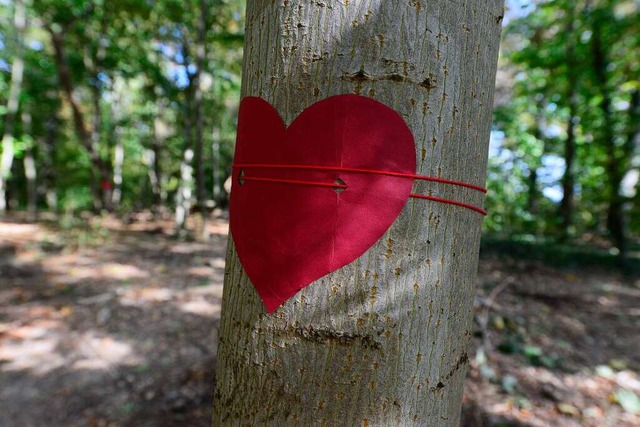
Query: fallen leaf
point(568, 409)
point(628, 400)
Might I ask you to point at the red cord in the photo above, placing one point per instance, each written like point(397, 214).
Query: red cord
point(451, 202)
point(356, 170)
point(366, 171)
point(292, 181)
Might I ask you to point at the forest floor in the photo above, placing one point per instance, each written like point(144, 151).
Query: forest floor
point(104, 323)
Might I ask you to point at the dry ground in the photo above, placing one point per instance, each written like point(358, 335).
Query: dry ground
point(107, 324)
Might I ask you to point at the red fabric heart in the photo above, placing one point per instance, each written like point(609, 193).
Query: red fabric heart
point(288, 235)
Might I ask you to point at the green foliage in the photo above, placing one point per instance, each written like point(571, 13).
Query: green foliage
point(628, 400)
point(133, 70)
point(131, 63)
point(550, 56)
point(514, 343)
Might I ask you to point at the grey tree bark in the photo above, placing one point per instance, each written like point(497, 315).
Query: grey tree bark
point(184, 194)
point(101, 171)
point(568, 179)
point(384, 340)
point(198, 107)
point(616, 218)
point(215, 163)
point(48, 164)
point(118, 163)
point(13, 102)
point(153, 158)
point(30, 172)
point(114, 137)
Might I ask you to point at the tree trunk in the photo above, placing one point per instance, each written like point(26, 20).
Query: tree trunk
point(118, 162)
point(633, 130)
point(32, 188)
point(154, 178)
point(185, 188)
point(158, 136)
point(568, 179)
point(201, 53)
point(215, 164)
point(533, 200)
point(384, 340)
point(13, 102)
point(48, 165)
point(101, 170)
point(185, 191)
point(616, 223)
point(30, 172)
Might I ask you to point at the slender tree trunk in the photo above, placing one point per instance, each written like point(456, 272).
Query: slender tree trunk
point(48, 163)
point(185, 188)
point(534, 192)
point(633, 127)
point(118, 162)
point(156, 176)
point(185, 191)
point(149, 159)
point(114, 137)
point(101, 170)
point(154, 166)
point(616, 223)
point(568, 179)
point(634, 114)
point(13, 102)
point(93, 59)
point(201, 53)
point(383, 341)
point(105, 168)
point(30, 172)
point(215, 149)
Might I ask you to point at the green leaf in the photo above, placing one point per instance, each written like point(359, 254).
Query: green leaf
point(531, 351)
point(509, 383)
point(628, 400)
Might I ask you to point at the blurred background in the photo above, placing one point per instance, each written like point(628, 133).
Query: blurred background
point(118, 123)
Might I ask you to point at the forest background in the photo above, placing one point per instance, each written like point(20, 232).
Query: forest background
point(131, 105)
point(126, 111)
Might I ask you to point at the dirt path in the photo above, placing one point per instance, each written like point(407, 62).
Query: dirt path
point(560, 348)
point(119, 331)
point(103, 324)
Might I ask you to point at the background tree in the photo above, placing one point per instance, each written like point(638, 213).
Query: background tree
point(13, 101)
point(117, 65)
point(144, 78)
point(588, 94)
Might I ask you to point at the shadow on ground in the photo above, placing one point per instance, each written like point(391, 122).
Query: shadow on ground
point(120, 330)
point(111, 324)
point(554, 346)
